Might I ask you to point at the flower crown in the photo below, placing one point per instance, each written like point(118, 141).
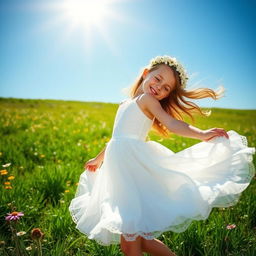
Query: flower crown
point(172, 62)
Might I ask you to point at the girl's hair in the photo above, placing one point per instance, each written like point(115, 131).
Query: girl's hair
point(176, 104)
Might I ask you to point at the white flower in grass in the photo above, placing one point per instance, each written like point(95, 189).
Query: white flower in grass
point(21, 233)
point(6, 165)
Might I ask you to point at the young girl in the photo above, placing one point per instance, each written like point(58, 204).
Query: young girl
point(140, 188)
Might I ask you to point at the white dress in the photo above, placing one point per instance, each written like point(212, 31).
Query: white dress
point(143, 188)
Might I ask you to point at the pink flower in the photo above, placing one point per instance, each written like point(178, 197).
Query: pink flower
point(231, 226)
point(14, 216)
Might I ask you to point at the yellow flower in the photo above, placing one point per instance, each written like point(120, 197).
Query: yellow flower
point(11, 177)
point(66, 191)
point(7, 183)
point(42, 155)
point(1, 153)
point(8, 187)
point(3, 172)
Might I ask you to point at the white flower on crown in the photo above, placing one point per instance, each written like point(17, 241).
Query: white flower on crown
point(172, 62)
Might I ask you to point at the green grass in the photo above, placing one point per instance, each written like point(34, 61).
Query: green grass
point(47, 143)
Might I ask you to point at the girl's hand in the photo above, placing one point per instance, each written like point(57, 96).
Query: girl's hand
point(212, 133)
point(92, 164)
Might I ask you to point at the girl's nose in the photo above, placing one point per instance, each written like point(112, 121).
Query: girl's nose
point(158, 86)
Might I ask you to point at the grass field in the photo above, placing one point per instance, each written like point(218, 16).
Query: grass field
point(47, 143)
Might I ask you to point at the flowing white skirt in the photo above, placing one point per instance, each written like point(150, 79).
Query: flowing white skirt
point(143, 188)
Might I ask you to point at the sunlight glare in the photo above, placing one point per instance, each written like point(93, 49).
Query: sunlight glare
point(85, 12)
point(89, 18)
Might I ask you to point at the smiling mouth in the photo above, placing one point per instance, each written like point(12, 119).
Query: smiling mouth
point(152, 90)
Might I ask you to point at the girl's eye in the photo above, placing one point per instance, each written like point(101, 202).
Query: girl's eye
point(166, 88)
point(157, 78)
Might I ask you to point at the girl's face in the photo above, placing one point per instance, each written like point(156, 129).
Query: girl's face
point(159, 82)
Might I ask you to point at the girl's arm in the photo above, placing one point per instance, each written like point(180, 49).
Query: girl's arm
point(100, 156)
point(95, 162)
point(177, 126)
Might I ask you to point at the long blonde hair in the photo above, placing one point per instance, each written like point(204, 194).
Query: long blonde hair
point(176, 104)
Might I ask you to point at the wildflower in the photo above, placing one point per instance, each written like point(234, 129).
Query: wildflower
point(3, 172)
point(14, 216)
point(37, 234)
point(21, 233)
point(66, 191)
point(2, 242)
point(231, 226)
point(29, 248)
point(1, 153)
point(6, 165)
point(77, 183)
point(11, 177)
point(244, 216)
point(42, 155)
point(7, 183)
point(8, 187)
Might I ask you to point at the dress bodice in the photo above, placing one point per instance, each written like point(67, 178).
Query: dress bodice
point(130, 121)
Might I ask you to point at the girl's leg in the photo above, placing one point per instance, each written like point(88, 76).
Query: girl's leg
point(155, 247)
point(131, 248)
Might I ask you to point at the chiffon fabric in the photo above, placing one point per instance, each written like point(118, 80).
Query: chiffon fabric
point(143, 188)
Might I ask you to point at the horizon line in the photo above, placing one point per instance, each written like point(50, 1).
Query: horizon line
point(82, 101)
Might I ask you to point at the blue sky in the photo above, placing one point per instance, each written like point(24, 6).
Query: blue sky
point(44, 57)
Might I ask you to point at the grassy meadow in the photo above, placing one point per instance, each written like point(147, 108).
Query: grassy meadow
point(44, 145)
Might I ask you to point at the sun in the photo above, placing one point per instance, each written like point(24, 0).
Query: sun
point(86, 17)
point(86, 12)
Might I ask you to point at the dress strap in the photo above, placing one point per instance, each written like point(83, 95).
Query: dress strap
point(122, 101)
point(136, 97)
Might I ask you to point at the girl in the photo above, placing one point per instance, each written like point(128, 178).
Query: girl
point(141, 188)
